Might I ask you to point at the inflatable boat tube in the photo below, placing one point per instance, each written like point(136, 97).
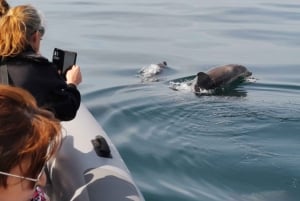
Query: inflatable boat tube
point(88, 166)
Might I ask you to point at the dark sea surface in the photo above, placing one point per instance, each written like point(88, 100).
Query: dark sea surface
point(242, 144)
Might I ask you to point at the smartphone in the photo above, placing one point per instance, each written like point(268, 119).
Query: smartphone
point(63, 60)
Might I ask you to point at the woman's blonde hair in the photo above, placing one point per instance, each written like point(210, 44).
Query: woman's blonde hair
point(17, 26)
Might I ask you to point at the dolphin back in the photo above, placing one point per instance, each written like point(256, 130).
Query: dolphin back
point(227, 74)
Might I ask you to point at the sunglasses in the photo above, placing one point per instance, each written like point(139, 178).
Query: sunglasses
point(41, 30)
point(35, 180)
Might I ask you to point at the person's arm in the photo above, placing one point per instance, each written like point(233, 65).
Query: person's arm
point(65, 102)
point(68, 97)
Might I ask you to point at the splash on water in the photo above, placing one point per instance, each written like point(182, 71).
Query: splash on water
point(186, 86)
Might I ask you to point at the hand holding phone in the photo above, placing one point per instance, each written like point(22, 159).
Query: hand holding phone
point(63, 60)
point(73, 76)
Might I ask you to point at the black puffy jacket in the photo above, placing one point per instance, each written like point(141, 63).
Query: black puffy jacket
point(36, 74)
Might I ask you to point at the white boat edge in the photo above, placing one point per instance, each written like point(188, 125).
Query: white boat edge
point(79, 174)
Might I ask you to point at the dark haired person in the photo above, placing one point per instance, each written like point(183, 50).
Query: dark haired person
point(29, 138)
point(21, 33)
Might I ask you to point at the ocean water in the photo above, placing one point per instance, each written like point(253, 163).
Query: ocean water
point(238, 145)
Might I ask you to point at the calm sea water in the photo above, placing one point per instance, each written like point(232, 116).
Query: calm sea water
point(240, 145)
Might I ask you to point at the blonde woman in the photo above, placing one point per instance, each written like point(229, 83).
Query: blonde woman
point(21, 34)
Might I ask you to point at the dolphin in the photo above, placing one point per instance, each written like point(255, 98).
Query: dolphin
point(220, 76)
point(153, 69)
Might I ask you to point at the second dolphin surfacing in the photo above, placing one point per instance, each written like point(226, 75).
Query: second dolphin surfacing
point(220, 76)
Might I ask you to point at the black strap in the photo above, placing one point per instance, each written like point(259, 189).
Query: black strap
point(3, 74)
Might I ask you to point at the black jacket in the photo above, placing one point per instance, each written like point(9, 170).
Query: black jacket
point(40, 77)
